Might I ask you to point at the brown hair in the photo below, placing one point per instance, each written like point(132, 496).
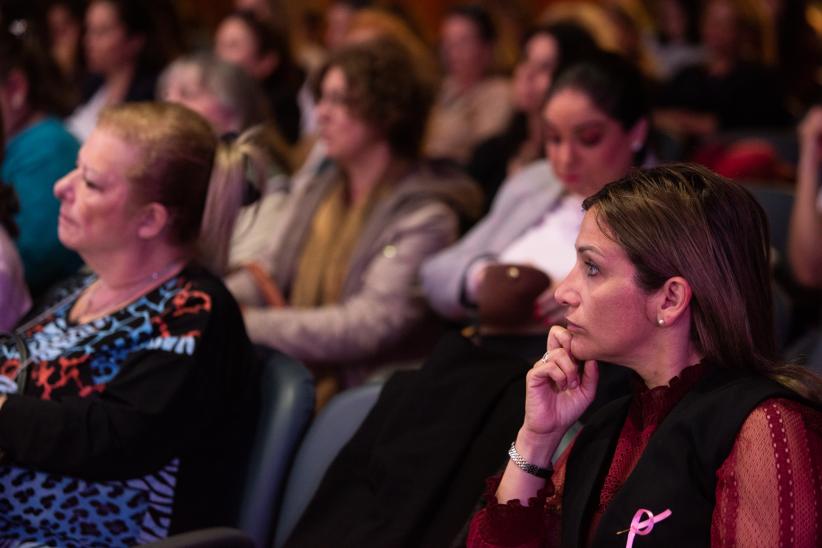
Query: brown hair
point(386, 89)
point(684, 220)
point(185, 168)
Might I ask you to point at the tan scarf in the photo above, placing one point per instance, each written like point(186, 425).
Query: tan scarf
point(326, 255)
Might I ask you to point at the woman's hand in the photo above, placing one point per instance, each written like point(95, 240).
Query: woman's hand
point(555, 397)
point(556, 394)
point(547, 310)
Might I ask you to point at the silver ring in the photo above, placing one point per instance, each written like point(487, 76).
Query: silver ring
point(544, 358)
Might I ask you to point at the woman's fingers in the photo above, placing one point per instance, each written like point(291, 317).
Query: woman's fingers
point(559, 337)
point(557, 366)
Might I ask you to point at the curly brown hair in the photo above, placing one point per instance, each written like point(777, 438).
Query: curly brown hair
point(386, 89)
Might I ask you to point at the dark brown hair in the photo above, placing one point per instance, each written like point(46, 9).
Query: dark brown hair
point(684, 220)
point(386, 89)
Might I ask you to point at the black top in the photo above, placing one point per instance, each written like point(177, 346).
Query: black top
point(132, 426)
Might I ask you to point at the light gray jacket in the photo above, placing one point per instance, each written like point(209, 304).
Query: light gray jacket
point(520, 204)
point(382, 307)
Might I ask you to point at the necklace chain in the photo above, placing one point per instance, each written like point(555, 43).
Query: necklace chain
point(88, 307)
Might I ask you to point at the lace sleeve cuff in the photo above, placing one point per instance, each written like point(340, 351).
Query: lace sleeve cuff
point(511, 523)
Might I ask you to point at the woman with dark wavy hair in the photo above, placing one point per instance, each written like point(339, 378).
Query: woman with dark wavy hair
point(671, 282)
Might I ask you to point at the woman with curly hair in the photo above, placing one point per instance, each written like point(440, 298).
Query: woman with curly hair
point(346, 257)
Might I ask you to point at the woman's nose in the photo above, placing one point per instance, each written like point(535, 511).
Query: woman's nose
point(64, 188)
point(565, 293)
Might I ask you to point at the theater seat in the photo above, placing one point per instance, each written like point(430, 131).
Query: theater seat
point(287, 392)
point(287, 405)
point(327, 435)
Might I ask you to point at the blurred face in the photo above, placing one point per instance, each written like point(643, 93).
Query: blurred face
point(586, 147)
point(184, 87)
point(719, 29)
point(64, 29)
point(236, 44)
point(610, 318)
point(96, 210)
point(338, 20)
point(464, 53)
point(108, 45)
point(533, 75)
point(672, 20)
point(345, 134)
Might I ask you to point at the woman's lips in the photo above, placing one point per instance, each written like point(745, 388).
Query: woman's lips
point(572, 327)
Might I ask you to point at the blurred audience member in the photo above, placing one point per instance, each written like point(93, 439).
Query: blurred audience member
point(38, 152)
point(338, 18)
point(675, 41)
point(264, 53)
point(806, 220)
point(546, 48)
point(232, 102)
point(793, 48)
point(346, 257)
point(371, 23)
point(125, 52)
point(726, 92)
point(596, 125)
point(64, 20)
point(472, 103)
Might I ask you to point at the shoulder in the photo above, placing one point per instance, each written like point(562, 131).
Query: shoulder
point(435, 182)
point(47, 141)
point(782, 418)
point(491, 88)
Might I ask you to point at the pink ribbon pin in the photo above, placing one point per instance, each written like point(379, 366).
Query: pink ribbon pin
point(642, 528)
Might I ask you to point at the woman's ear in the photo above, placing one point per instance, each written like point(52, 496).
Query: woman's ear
point(638, 134)
point(154, 219)
point(674, 298)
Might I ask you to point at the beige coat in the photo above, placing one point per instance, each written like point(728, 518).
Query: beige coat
point(382, 316)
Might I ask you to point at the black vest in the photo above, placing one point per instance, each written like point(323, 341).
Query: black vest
point(677, 470)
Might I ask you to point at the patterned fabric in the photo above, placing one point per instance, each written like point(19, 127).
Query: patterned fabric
point(81, 360)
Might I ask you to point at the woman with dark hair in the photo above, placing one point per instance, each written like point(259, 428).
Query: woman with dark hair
point(472, 103)
point(265, 54)
point(671, 282)
point(38, 151)
point(546, 50)
point(595, 123)
point(347, 252)
point(127, 44)
point(125, 400)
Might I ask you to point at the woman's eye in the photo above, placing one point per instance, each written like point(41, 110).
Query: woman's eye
point(90, 184)
point(590, 138)
point(591, 269)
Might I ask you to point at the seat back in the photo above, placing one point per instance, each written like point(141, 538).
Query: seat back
point(327, 435)
point(286, 408)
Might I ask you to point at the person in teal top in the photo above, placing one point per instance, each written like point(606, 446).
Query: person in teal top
point(39, 151)
point(35, 159)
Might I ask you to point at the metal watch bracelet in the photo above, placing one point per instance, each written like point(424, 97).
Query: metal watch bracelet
point(526, 466)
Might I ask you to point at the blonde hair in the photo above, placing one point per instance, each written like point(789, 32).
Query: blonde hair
point(184, 167)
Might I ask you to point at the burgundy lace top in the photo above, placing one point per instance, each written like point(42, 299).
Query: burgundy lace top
point(767, 490)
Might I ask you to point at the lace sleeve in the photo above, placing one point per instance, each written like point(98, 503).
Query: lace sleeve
point(769, 488)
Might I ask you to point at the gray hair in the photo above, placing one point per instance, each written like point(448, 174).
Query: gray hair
point(235, 90)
